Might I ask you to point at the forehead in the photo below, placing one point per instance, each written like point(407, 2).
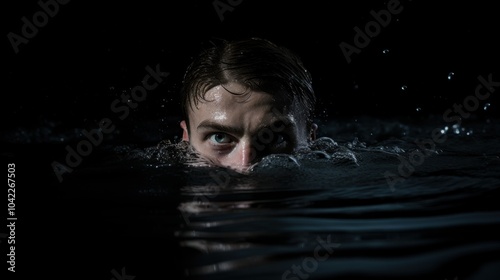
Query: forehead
point(242, 109)
point(234, 96)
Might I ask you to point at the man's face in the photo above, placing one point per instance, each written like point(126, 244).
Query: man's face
point(236, 131)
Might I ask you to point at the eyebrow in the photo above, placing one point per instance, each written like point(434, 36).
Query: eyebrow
point(211, 125)
point(208, 124)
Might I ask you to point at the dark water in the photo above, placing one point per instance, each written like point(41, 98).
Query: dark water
point(329, 214)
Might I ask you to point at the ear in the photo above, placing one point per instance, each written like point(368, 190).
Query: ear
point(185, 134)
point(314, 128)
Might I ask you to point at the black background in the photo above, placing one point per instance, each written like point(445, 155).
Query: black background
point(65, 78)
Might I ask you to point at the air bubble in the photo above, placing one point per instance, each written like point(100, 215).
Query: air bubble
point(450, 76)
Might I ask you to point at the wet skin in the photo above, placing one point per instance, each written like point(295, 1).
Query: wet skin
point(236, 131)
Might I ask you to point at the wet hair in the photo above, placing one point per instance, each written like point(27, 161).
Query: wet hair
point(256, 63)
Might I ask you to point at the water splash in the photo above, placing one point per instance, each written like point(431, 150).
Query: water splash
point(183, 154)
point(451, 75)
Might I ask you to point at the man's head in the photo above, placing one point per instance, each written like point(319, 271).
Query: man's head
point(246, 99)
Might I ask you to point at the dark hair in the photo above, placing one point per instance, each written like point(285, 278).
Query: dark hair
point(256, 63)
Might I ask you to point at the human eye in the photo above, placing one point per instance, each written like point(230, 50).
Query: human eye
point(280, 139)
point(280, 142)
point(219, 138)
point(275, 142)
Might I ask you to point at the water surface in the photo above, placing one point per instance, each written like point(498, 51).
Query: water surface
point(330, 213)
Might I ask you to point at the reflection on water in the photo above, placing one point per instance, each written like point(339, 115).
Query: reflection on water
point(261, 226)
point(327, 213)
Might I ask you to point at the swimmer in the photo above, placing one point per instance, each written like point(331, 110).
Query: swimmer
point(246, 99)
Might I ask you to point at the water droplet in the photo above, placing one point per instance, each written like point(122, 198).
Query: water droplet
point(450, 75)
point(385, 51)
point(486, 106)
point(404, 87)
point(418, 109)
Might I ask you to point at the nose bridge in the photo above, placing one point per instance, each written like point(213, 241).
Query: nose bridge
point(245, 153)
